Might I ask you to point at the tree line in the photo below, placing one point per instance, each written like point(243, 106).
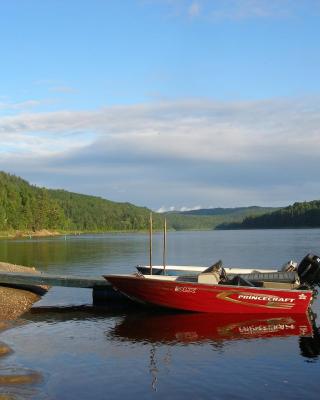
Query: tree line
point(299, 215)
point(29, 208)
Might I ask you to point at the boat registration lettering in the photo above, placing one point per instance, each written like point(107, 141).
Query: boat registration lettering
point(185, 289)
point(265, 298)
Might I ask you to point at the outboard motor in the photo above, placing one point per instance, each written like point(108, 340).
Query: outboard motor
point(309, 270)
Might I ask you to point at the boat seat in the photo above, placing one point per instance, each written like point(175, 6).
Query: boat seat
point(280, 277)
point(240, 281)
point(280, 285)
point(186, 278)
point(209, 277)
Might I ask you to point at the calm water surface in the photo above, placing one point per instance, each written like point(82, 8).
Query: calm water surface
point(65, 348)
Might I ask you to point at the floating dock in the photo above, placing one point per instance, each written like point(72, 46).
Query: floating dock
point(101, 288)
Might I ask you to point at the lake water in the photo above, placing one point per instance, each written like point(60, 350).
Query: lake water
point(65, 348)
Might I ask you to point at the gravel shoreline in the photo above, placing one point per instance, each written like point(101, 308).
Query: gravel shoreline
point(15, 301)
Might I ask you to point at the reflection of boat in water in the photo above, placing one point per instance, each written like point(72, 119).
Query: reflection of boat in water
point(198, 328)
point(310, 345)
point(161, 335)
point(169, 327)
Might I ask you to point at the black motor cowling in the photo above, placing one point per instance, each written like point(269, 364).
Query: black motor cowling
point(309, 270)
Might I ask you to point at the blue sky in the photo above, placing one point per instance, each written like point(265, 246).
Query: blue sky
point(163, 103)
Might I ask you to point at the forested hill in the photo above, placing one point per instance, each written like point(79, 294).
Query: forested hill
point(298, 215)
point(24, 207)
point(89, 213)
point(28, 208)
point(212, 217)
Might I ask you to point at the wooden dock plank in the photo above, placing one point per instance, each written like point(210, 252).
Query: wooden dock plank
point(53, 280)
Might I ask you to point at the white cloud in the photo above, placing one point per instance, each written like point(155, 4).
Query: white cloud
point(19, 106)
point(164, 209)
point(62, 89)
point(247, 9)
point(239, 9)
point(195, 130)
point(177, 153)
point(192, 208)
point(194, 9)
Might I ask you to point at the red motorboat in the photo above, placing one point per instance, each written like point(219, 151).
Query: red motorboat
point(213, 292)
point(213, 298)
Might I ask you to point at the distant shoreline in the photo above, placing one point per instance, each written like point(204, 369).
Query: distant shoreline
point(22, 234)
point(47, 233)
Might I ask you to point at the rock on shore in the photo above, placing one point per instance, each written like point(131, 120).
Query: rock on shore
point(15, 301)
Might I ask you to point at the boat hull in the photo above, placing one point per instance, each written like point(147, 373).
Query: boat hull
point(211, 298)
